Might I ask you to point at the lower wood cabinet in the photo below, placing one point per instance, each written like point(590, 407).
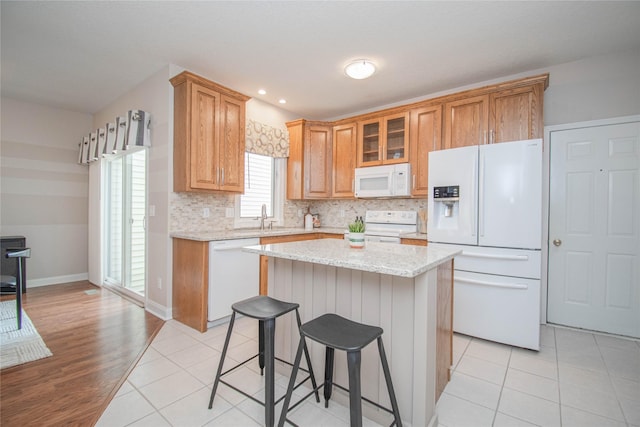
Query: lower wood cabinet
point(416, 242)
point(190, 282)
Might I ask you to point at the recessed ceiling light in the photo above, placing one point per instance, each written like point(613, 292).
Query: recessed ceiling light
point(282, 101)
point(360, 69)
point(262, 92)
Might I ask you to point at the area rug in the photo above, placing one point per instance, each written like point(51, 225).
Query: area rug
point(18, 346)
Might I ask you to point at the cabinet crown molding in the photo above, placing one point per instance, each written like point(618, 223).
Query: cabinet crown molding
point(186, 76)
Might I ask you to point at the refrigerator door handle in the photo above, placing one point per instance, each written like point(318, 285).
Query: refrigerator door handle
point(481, 185)
point(492, 284)
point(474, 229)
point(500, 257)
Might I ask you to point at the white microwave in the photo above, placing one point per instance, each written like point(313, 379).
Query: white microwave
point(384, 181)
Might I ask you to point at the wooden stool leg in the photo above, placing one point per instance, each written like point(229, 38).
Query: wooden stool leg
point(355, 394)
point(387, 378)
point(328, 375)
point(222, 356)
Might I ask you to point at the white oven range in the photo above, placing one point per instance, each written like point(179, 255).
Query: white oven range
point(388, 226)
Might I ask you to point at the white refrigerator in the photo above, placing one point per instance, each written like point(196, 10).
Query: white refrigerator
point(487, 200)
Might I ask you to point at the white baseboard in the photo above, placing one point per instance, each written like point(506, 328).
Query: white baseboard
point(158, 310)
point(46, 281)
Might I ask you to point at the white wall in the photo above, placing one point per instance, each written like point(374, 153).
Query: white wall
point(268, 114)
point(154, 95)
point(593, 88)
point(43, 191)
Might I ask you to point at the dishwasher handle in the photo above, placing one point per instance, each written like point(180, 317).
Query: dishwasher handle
point(231, 245)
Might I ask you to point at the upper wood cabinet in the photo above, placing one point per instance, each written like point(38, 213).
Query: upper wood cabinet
point(425, 136)
point(321, 165)
point(344, 160)
point(509, 112)
point(209, 135)
point(466, 121)
point(516, 114)
point(309, 162)
point(383, 140)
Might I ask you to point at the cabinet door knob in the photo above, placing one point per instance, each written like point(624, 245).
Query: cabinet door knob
point(557, 242)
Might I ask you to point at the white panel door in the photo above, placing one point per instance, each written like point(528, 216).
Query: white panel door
point(594, 228)
point(510, 195)
point(454, 167)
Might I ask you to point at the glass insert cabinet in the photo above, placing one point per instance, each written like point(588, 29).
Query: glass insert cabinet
point(383, 140)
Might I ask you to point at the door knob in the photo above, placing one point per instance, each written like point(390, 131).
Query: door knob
point(557, 242)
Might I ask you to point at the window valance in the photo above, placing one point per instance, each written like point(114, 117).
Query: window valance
point(266, 140)
point(127, 131)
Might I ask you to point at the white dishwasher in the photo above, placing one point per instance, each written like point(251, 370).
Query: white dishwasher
point(234, 275)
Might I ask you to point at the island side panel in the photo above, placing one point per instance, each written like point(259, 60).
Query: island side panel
point(424, 351)
point(444, 343)
point(190, 291)
point(376, 299)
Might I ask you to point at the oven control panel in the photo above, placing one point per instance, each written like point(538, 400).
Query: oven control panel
point(391, 217)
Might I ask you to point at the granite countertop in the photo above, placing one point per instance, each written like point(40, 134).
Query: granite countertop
point(385, 258)
point(245, 233)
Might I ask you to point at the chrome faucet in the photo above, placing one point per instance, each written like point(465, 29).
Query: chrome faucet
point(263, 216)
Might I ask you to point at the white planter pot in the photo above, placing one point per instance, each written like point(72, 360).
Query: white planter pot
point(356, 240)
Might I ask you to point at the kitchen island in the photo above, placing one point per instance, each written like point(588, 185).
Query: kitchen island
point(406, 290)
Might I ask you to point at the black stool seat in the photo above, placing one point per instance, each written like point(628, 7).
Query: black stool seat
point(340, 333)
point(262, 307)
point(337, 333)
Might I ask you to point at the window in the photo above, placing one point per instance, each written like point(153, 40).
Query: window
point(263, 185)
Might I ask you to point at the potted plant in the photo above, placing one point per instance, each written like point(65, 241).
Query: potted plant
point(356, 233)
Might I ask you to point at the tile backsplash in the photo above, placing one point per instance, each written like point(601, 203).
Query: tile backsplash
point(187, 208)
point(331, 211)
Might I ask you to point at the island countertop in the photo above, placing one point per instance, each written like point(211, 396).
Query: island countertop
point(375, 257)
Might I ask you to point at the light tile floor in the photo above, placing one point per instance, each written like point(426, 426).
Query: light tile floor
point(577, 379)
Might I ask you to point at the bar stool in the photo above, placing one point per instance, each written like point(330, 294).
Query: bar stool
point(265, 309)
point(336, 332)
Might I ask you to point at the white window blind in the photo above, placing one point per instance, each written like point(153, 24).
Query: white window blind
point(258, 186)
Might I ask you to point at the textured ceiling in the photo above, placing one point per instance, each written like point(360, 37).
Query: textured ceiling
point(83, 55)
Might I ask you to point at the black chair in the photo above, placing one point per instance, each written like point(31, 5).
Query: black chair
point(20, 254)
point(336, 332)
point(265, 309)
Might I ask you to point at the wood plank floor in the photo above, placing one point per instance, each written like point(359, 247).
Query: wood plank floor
point(95, 336)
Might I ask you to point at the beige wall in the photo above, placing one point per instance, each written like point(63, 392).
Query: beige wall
point(43, 191)
point(155, 96)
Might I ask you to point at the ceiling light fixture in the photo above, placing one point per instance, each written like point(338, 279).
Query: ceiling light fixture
point(360, 69)
point(262, 92)
point(282, 101)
